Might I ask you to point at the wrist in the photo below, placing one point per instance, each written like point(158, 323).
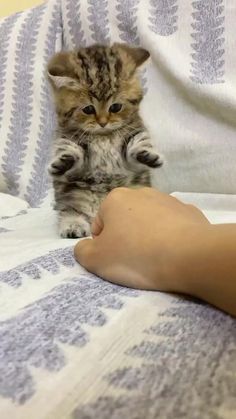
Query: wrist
point(190, 259)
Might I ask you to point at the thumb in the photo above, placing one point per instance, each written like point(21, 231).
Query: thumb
point(85, 254)
point(97, 225)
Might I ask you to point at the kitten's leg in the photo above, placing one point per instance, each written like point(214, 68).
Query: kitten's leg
point(67, 164)
point(73, 225)
point(140, 151)
point(76, 212)
point(68, 160)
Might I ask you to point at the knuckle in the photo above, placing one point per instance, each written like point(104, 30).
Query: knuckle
point(114, 197)
point(118, 192)
point(192, 207)
point(146, 190)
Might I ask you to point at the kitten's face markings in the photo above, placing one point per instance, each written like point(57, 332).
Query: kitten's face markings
point(102, 115)
point(97, 89)
point(89, 110)
point(115, 108)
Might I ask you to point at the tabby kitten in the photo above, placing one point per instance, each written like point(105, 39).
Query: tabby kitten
point(101, 140)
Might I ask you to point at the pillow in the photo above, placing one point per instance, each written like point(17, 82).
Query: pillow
point(28, 39)
point(190, 101)
point(189, 105)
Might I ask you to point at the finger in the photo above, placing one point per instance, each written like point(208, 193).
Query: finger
point(97, 225)
point(85, 254)
point(196, 211)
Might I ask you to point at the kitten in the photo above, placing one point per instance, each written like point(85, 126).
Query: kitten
point(101, 140)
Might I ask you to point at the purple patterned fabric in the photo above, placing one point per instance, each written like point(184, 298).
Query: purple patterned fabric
point(33, 337)
point(39, 180)
point(208, 57)
point(5, 34)
point(26, 113)
point(35, 268)
point(27, 118)
point(163, 17)
point(179, 373)
point(15, 150)
point(73, 22)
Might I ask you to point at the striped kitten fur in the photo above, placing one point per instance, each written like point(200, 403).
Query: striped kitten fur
point(101, 140)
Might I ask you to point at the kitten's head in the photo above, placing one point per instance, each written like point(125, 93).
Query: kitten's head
point(97, 89)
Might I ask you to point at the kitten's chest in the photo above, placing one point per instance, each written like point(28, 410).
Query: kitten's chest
point(105, 157)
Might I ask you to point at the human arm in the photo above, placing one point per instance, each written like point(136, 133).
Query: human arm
point(149, 240)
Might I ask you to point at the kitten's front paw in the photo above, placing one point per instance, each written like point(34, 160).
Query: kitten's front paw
point(62, 164)
point(150, 158)
point(140, 150)
point(75, 229)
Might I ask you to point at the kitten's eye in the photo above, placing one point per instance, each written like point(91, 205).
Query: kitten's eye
point(89, 110)
point(116, 107)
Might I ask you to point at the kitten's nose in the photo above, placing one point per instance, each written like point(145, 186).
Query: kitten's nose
point(102, 122)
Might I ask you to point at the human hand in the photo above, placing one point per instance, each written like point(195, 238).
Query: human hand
point(141, 238)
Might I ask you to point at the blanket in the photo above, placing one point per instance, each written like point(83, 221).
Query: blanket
point(73, 346)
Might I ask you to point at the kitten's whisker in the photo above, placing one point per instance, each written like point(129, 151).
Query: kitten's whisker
point(84, 134)
point(131, 126)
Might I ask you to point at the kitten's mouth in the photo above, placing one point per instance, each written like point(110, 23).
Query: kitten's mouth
point(103, 130)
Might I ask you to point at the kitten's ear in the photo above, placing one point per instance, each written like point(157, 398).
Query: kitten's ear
point(60, 71)
point(138, 55)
